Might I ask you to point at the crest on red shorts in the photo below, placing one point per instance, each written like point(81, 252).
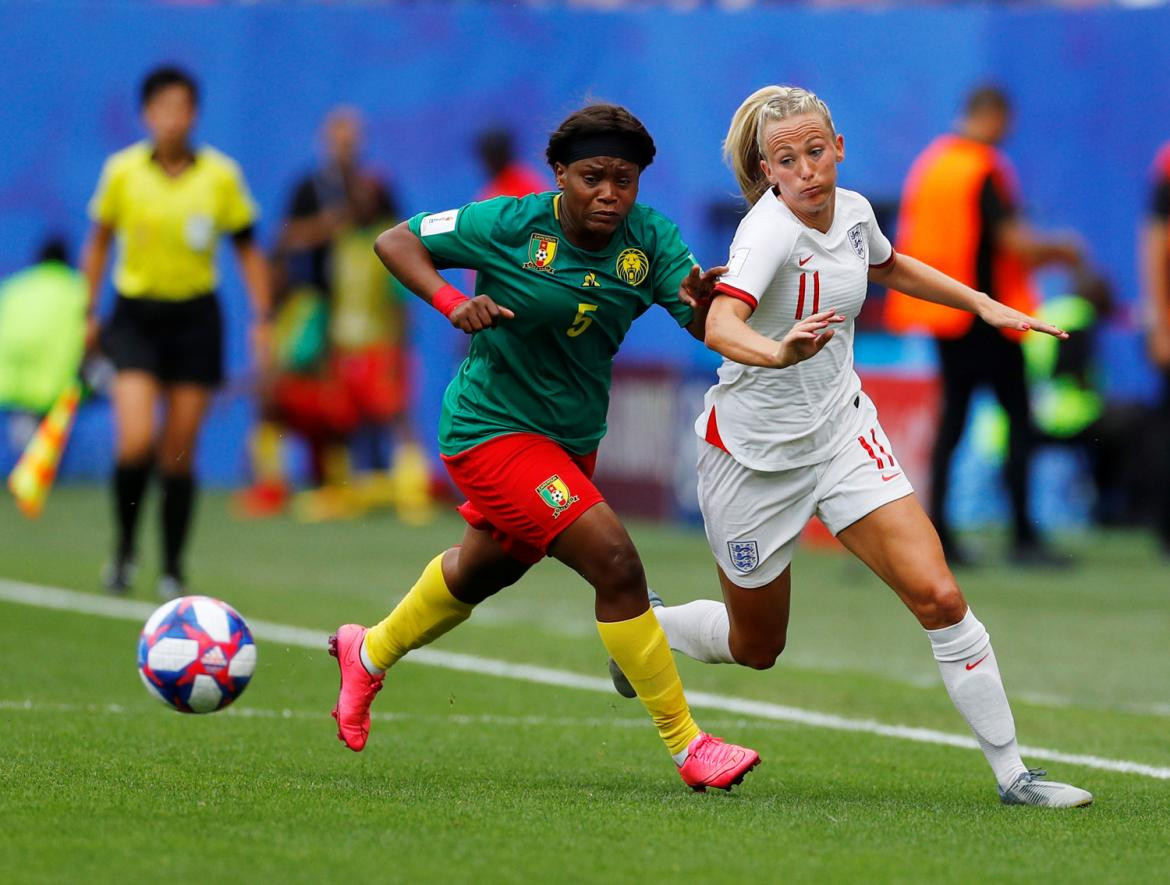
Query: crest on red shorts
point(542, 251)
point(556, 495)
point(745, 555)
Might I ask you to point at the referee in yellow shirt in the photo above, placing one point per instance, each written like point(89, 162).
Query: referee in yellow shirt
point(167, 204)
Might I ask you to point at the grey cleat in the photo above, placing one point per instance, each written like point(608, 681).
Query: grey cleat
point(1030, 788)
point(118, 574)
point(170, 587)
point(615, 672)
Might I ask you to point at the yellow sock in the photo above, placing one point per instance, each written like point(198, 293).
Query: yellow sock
point(337, 468)
point(267, 463)
point(424, 614)
point(640, 648)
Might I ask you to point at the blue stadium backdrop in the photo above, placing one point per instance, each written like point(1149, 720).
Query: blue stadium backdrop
point(1090, 87)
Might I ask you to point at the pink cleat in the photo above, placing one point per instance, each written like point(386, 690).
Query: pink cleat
point(358, 687)
point(712, 763)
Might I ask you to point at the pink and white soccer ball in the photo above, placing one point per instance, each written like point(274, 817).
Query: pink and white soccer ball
point(196, 654)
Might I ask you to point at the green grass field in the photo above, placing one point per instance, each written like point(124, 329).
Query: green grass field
point(471, 777)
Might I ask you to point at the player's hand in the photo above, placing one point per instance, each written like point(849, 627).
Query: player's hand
point(999, 315)
point(698, 287)
point(807, 338)
point(479, 313)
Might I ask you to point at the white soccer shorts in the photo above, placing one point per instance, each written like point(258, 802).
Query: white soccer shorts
point(753, 518)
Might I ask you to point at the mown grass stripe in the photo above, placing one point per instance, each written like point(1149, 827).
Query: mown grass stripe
point(128, 609)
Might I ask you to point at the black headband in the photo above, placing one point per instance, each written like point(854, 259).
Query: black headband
point(623, 145)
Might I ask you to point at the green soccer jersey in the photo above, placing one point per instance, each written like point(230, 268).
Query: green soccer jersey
point(548, 371)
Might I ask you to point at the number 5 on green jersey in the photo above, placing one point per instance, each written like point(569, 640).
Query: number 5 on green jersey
point(582, 321)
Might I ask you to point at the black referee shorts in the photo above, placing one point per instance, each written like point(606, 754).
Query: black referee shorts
point(175, 341)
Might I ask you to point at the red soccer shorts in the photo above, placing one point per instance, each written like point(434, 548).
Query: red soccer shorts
point(524, 489)
point(374, 379)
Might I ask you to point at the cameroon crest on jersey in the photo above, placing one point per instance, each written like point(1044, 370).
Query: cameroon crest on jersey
point(542, 250)
point(555, 493)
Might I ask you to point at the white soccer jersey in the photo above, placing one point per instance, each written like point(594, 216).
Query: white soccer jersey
point(776, 419)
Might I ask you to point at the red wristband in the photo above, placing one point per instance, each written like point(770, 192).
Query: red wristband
point(447, 299)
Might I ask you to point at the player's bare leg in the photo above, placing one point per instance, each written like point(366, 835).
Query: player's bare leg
point(750, 627)
point(899, 544)
point(451, 585)
point(135, 396)
point(598, 548)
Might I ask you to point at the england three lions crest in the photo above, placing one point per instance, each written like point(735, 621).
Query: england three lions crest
point(745, 555)
point(857, 240)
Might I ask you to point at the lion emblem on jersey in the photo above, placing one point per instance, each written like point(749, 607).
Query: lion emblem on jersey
point(632, 266)
point(857, 240)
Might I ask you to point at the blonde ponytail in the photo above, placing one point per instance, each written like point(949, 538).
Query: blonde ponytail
point(743, 147)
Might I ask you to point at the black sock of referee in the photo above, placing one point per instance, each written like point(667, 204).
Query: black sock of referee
point(177, 505)
point(129, 491)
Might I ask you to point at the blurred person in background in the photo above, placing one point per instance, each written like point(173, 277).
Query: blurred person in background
point(565, 275)
point(1068, 401)
point(168, 203)
point(42, 334)
point(343, 375)
point(960, 213)
point(1155, 267)
point(507, 176)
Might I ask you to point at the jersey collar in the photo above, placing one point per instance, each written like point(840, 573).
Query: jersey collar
point(192, 157)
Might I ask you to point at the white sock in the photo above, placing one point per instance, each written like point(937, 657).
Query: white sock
point(969, 672)
point(367, 663)
point(699, 630)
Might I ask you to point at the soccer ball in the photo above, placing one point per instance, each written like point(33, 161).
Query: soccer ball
point(196, 654)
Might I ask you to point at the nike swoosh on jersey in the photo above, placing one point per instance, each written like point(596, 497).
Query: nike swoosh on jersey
point(804, 261)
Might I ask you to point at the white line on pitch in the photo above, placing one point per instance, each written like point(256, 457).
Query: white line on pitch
point(28, 705)
point(127, 609)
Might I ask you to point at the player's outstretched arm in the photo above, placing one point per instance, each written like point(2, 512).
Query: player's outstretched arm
point(729, 334)
point(407, 258)
point(919, 279)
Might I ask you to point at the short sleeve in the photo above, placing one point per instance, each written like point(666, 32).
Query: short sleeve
point(457, 237)
point(671, 263)
point(104, 205)
point(881, 252)
point(757, 252)
point(237, 210)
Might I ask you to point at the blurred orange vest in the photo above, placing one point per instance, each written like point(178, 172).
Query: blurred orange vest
point(940, 223)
